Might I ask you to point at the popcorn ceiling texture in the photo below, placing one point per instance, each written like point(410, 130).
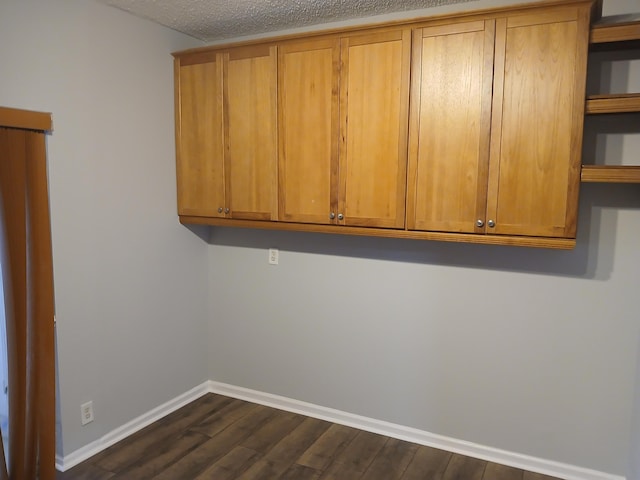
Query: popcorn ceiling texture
point(211, 20)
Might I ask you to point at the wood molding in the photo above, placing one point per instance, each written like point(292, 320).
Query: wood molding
point(615, 32)
point(613, 103)
point(25, 119)
point(610, 174)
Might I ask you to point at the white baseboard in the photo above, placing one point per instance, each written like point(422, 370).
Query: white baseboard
point(525, 462)
point(129, 428)
point(421, 437)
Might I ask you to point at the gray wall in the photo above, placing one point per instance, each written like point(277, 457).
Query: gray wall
point(130, 282)
point(531, 351)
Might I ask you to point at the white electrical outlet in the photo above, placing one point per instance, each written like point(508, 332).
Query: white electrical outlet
point(87, 412)
point(273, 256)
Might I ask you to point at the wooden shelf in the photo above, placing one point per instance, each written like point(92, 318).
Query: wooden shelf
point(615, 103)
point(610, 174)
point(615, 32)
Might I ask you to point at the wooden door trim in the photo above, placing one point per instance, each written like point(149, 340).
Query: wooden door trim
point(25, 119)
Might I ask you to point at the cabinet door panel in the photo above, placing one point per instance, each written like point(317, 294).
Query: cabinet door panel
point(199, 139)
point(374, 110)
point(450, 126)
point(539, 94)
point(251, 160)
point(308, 130)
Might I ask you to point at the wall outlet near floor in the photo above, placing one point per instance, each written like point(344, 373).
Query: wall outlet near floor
point(87, 412)
point(273, 256)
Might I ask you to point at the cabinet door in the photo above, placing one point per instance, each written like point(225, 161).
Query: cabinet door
point(450, 126)
point(308, 130)
point(374, 113)
point(537, 122)
point(251, 142)
point(199, 137)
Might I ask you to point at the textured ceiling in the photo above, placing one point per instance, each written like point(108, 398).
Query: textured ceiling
point(211, 20)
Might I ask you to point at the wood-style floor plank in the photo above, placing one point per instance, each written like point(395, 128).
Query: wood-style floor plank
point(85, 471)
point(319, 455)
point(392, 461)
point(196, 461)
point(231, 465)
point(220, 438)
point(300, 472)
point(464, 468)
point(297, 441)
point(354, 460)
point(170, 451)
point(284, 454)
point(278, 427)
point(144, 443)
point(502, 472)
point(427, 463)
point(220, 419)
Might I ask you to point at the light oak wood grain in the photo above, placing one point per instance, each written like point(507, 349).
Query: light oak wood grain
point(199, 138)
point(450, 127)
point(374, 110)
point(308, 136)
point(251, 133)
point(613, 103)
point(535, 163)
point(610, 174)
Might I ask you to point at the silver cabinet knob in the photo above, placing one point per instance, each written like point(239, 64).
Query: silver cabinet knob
point(340, 216)
point(219, 209)
point(479, 223)
point(491, 223)
point(226, 210)
point(332, 215)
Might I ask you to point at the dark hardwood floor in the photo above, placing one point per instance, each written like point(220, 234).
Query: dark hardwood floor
point(221, 438)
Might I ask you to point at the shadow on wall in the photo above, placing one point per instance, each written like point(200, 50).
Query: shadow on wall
point(592, 257)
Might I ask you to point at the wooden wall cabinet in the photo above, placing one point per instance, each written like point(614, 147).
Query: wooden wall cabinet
point(226, 134)
point(537, 124)
point(450, 126)
point(308, 103)
point(460, 128)
point(200, 136)
point(507, 162)
point(343, 110)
